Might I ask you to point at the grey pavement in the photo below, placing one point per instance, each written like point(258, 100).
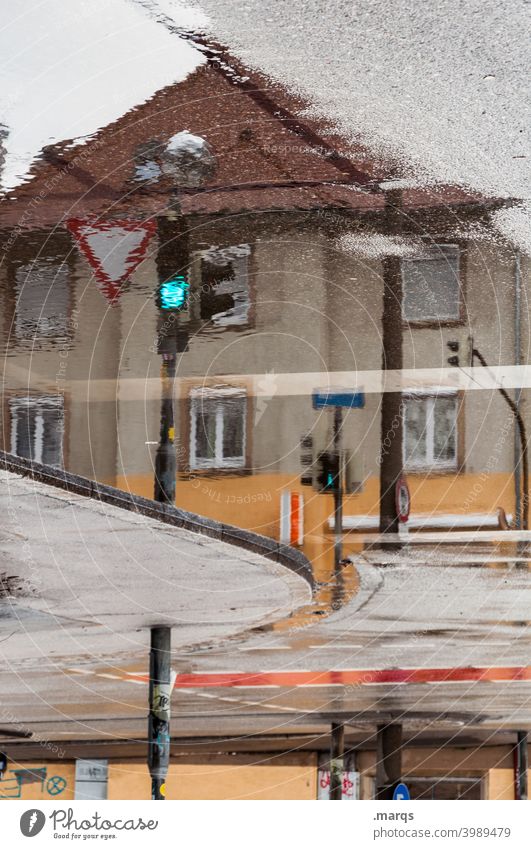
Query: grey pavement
point(430, 614)
point(85, 578)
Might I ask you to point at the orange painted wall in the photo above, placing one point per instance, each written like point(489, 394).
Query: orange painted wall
point(212, 777)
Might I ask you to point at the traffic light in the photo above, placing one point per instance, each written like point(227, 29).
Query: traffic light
point(173, 294)
point(454, 359)
point(307, 460)
point(328, 472)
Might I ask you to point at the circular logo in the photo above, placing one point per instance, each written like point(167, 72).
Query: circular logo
point(55, 785)
point(32, 822)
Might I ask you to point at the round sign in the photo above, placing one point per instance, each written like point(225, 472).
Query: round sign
point(402, 500)
point(401, 793)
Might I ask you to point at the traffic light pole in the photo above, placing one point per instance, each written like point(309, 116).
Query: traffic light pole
point(173, 259)
point(338, 489)
point(159, 710)
point(165, 459)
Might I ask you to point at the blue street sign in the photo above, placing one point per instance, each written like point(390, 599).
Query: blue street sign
point(351, 398)
point(401, 793)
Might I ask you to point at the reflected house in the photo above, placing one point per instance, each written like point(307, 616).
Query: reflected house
point(283, 255)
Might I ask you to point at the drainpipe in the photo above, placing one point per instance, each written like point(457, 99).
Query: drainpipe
point(522, 436)
point(518, 390)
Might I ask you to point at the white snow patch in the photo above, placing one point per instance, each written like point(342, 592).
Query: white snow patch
point(70, 68)
point(377, 246)
point(441, 86)
point(515, 221)
point(183, 16)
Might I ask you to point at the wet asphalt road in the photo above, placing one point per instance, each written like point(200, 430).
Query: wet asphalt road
point(442, 647)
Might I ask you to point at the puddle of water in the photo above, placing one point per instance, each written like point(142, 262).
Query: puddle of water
point(185, 325)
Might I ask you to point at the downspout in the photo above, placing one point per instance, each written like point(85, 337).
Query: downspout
point(518, 390)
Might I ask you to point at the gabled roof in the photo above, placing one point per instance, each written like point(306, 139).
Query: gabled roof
point(267, 158)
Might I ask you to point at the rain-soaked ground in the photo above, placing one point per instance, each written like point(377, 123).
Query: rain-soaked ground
point(214, 298)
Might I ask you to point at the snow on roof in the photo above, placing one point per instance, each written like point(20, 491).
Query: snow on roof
point(440, 86)
point(69, 69)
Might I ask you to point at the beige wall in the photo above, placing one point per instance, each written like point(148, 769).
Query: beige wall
point(262, 776)
point(212, 777)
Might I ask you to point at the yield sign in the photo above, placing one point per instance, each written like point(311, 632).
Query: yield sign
point(113, 248)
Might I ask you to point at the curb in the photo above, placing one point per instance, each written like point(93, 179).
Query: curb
point(287, 556)
point(370, 582)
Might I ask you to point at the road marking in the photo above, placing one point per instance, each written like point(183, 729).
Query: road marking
point(355, 676)
point(265, 648)
point(338, 646)
point(332, 678)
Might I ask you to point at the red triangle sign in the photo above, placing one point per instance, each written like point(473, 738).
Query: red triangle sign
point(114, 249)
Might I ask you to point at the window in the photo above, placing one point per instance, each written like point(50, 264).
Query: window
point(42, 301)
point(225, 298)
point(430, 431)
point(145, 158)
point(431, 286)
point(218, 419)
point(37, 427)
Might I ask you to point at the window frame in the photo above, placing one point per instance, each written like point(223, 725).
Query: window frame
point(461, 275)
point(23, 276)
point(218, 462)
point(37, 403)
point(207, 325)
point(430, 466)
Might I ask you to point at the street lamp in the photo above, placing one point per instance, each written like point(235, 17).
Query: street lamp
point(189, 160)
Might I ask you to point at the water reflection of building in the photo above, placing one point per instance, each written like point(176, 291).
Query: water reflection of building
point(284, 256)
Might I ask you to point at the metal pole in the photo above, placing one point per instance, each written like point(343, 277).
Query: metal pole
point(518, 390)
point(337, 754)
point(521, 765)
point(166, 458)
point(388, 759)
point(338, 490)
point(523, 442)
point(159, 710)
point(391, 463)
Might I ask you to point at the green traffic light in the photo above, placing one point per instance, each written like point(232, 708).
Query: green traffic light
point(173, 294)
